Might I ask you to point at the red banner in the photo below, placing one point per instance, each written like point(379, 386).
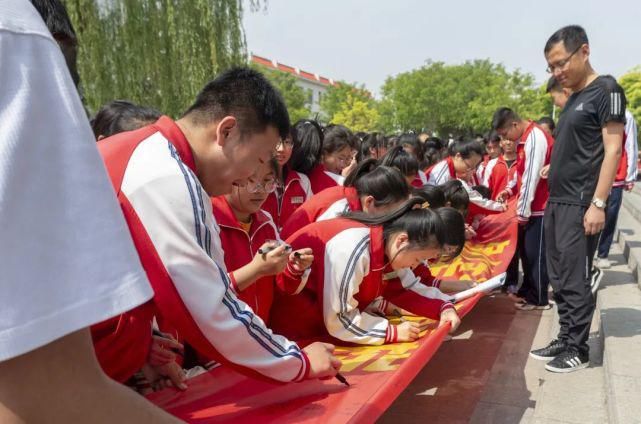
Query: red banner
point(377, 374)
point(486, 255)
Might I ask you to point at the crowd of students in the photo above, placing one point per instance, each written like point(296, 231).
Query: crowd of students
point(242, 240)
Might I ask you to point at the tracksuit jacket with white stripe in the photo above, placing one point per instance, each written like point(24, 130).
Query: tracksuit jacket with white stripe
point(346, 295)
point(177, 238)
point(532, 154)
point(627, 171)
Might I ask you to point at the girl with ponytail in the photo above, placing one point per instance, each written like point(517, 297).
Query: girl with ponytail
point(344, 294)
point(369, 188)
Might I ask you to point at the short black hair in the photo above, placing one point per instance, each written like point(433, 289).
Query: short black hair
point(547, 121)
point(493, 137)
point(55, 16)
point(337, 137)
point(503, 117)
point(484, 191)
point(245, 94)
point(456, 194)
point(121, 115)
point(553, 85)
point(466, 148)
point(572, 36)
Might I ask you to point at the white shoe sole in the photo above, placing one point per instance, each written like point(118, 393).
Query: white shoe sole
point(567, 370)
point(541, 358)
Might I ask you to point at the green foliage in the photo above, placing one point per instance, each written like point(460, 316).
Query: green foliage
point(350, 105)
point(357, 114)
point(158, 53)
point(457, 99)
point(294, 95)
point(631, 83)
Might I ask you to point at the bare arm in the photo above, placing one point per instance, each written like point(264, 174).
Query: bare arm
point(62, 383)
point(612, 140)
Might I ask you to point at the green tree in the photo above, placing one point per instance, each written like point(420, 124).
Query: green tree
point(357, 114)
point(337, 95)
point(457, 99)
point(631, 83)
point(155, 52)
point(294, 95)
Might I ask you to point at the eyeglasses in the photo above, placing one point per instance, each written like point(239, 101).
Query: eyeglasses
point(561, 64)
point(344, 159)
point(285, 143)
point(254, 187)
point(470, 166)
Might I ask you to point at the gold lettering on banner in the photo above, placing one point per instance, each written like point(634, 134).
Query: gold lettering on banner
point(475, 262)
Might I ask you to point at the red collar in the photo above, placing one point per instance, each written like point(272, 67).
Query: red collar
point(450, 166)
point(376, 248)
point(527, 131)
point(225, 215)
point(174, 134)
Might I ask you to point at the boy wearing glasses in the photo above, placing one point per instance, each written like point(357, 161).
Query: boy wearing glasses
point(583, 166)
point(254, 253)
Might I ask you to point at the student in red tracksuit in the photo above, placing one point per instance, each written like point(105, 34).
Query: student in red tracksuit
point(464, 158)
point(293, 189)
point(533, 153)
point(345, 293)
point(163, 175)
point(495, 176)
point(244, 229)
point(368, 188)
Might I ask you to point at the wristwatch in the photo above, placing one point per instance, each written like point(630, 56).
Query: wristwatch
point(598, 203)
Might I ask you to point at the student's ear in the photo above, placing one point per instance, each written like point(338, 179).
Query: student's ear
point(224, 129)
point(402, 240)
point(368, 203)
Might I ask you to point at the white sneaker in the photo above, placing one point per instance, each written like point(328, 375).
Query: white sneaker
point(603, 263)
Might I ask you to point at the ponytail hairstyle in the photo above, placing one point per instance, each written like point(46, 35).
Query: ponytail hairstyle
point(371, 141)
point(432, 152)
point(398, 158)
point(456, 194)
point(386, 185)
point(431, 194)
point(454, 224)
point(424, 227)
point(467, 148)
point(308, 142)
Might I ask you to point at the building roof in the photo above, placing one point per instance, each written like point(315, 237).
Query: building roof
point(272, 64)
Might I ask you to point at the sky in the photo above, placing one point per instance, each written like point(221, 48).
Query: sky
point(367, 41)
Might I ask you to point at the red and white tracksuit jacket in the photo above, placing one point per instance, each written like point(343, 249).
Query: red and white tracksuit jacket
point(282, 204)
point(328, 204)
point(320, 179)
point(494, 176)
point(172, 225)
point(627, 171)
point(444, 171)
point(346, 293)
point(239, 249)
point(532, 154)
point(420, 180)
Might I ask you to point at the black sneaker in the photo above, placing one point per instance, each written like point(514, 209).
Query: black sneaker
point(551, 351)
point(568, 361)
point(597, 276)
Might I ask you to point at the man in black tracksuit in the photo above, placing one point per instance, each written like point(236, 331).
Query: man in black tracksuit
point(582, 169)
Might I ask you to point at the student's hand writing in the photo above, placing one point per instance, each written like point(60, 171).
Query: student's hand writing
point(322, 362)
point(407, 331)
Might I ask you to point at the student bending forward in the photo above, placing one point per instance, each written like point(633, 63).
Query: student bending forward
point(345, 293)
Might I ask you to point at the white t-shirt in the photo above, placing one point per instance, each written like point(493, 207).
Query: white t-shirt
point(66, 257)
